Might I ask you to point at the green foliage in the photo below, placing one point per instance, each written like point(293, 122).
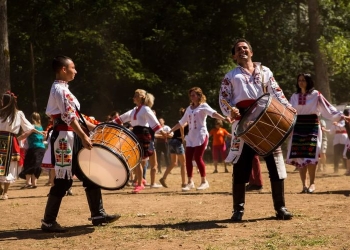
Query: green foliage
point(165, 47)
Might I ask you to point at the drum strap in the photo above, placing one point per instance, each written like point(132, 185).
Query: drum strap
point(81, 118)
point(264, 84)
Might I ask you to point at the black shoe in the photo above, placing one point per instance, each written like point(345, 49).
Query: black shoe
point(102, 220)
point(53, 227)
point(283, 214)
point(251, 187)
point(237, 216)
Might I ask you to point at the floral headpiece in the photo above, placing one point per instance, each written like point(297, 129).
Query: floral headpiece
point(8, 92)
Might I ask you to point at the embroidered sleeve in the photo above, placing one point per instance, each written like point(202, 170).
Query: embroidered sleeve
point(66, 104)
point(225, 93)
point(276, 90)
point(327, 110)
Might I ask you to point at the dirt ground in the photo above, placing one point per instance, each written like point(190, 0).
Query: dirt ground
point(170, 219)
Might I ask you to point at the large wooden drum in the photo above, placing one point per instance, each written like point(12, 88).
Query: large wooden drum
point(265, 125)
point(116, 151)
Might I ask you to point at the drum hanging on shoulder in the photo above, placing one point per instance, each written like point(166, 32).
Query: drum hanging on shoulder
point(265, 125)
point(116, 151)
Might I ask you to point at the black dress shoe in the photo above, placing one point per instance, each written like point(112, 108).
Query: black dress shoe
point(237, 216)
point(53, 227)
point(283, 214)
point(102, 220)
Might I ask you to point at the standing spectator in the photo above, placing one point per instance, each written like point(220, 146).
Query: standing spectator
point(177, 153)
point(323, 156)
point(197, 138)
point(12, 120)
point(305, 143)
point(339, 142)
point(219, 146)
point(34, 156)
point(162, 146)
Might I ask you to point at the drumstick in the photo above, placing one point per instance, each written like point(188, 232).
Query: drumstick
point(229, 106)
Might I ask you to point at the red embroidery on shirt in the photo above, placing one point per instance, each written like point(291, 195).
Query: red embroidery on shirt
point(302, 99)
point(137, 110)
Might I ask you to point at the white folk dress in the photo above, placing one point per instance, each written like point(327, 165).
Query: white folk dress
point(19, 121)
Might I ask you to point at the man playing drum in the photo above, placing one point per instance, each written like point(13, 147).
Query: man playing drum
point(240, 88)
point(65, 143)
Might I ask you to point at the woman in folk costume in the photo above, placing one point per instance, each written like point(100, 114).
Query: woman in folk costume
point(66, 140)
point(197, 138)
point(12, 120)
point(305, 143)
point(144, 123)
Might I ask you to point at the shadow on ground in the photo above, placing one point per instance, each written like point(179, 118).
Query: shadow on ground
point(38, 234)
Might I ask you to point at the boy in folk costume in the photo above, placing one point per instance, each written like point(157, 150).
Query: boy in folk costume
point(66, 140)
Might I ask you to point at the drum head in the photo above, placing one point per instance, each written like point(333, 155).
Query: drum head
point(253, 114)
point(103, 167)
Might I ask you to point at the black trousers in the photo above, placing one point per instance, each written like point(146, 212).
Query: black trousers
point(243, 168)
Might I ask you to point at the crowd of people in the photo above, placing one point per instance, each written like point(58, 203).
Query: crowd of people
point(56, 149)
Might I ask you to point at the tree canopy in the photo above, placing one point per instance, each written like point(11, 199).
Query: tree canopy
point(166, 47)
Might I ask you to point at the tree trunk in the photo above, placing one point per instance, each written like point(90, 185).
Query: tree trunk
point(4, 50)
point(321, 71)
point(35, 106)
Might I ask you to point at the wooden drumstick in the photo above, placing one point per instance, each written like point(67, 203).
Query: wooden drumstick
point(227, 104)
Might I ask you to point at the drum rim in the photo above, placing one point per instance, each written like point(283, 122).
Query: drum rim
point(257, 119)
point(118, 156)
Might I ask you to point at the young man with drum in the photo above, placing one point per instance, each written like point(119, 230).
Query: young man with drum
point(240, 88)
point(67, 138)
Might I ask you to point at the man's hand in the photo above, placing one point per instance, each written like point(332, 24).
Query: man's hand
point(235, 113)
point(292, 109)
point(86, 142)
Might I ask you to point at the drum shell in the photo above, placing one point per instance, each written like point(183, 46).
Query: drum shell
point(120, 140)
point(270, 129)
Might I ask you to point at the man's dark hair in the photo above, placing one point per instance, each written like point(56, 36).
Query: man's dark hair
point(59, 62)
point(241, 40)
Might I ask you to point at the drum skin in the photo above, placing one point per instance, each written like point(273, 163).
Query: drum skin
point(265, 125)
point(116, 151)
point(103, 167)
